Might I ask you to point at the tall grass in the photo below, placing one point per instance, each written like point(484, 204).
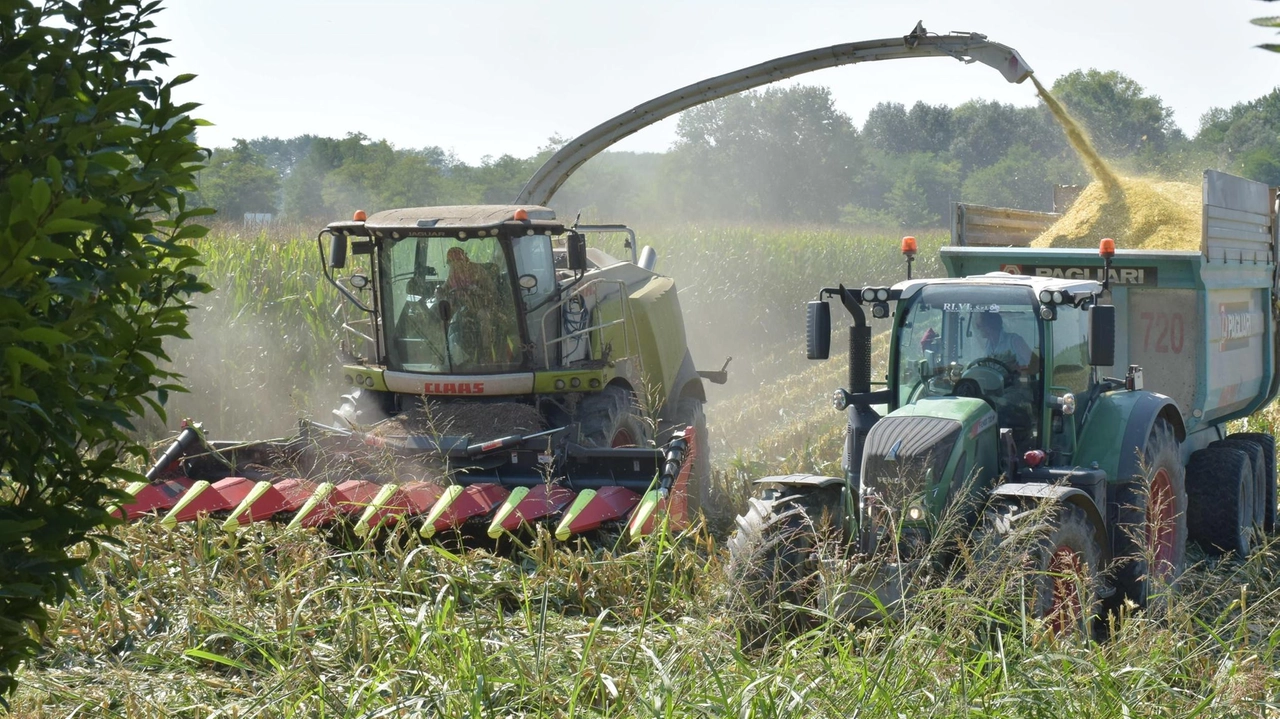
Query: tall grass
point(195, 624)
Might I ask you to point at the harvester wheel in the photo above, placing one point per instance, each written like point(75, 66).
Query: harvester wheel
point(690, 411)
point(1258, 469)
point(774, 557)
point(1058, 547)
point(1268, 444)
point(1220, 500)
point(1152, 519)
point(611, 418)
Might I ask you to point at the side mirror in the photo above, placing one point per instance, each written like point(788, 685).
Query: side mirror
point(1102, 335)
point(818, 330)
point(337, 251)
point(576, 252)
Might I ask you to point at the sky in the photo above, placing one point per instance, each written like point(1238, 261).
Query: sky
point(483, 78)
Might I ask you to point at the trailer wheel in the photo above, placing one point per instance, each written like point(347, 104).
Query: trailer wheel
point(773, 567)
point(1258, 470)
point(699, 497)
point(611, 418)
point(1058, 548)
point(1152, 519)
point(1268, 444)
point(1220, 500)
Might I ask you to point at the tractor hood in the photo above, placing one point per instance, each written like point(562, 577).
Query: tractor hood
point(916, 452)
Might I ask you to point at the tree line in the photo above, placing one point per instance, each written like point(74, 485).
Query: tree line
point(782, 155)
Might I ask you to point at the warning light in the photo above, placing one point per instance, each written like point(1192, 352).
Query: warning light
point(909, 246)
point(1107, 248)
point(359, 216)
point(521, 216)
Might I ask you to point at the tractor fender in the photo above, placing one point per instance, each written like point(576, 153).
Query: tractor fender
point(801, 480)
point(1130, 417)
point(1039, 492)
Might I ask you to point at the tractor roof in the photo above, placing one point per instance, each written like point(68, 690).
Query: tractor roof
point(1036, 284)
point(461, 216)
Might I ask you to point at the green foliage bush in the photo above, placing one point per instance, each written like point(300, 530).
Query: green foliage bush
point(95, 272)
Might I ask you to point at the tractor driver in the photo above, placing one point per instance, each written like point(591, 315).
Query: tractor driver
point(1013, 404)
point(1008, 347)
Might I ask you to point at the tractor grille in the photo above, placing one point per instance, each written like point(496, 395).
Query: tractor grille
point(900, 452)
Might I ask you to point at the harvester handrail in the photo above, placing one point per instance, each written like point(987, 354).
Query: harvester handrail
point(576, 291)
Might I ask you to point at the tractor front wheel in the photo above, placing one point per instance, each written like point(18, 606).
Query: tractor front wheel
point(774, 567)
point(1057, 547)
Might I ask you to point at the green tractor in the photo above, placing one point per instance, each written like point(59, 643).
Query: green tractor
point(1087, 393)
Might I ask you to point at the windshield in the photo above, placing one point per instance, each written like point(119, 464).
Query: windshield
point(450, 306)
point(973, 341)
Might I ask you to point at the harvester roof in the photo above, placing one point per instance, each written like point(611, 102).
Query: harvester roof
point(462, 217)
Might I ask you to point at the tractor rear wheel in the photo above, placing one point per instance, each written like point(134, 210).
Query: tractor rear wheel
point(1220, 500)
point(1151, 545)
point(1268, 496)
point(611, 418)
point(774, 556)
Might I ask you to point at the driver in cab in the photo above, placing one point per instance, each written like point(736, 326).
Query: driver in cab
point(1007, 347)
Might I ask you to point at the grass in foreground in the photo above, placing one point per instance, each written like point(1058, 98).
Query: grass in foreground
point(191, 623)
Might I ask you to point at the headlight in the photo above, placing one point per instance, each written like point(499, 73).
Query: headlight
point(840, 400)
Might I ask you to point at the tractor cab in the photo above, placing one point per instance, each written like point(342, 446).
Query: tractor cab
point(999, 338)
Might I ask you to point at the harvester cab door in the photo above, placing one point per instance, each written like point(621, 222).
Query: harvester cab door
point(536, 278)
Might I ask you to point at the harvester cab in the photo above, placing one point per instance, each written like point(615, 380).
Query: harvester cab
point(506, 306)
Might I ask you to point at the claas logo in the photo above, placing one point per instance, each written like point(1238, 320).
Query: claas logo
point(453, 388)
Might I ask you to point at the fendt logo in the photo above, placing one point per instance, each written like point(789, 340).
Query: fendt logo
point(453, 388)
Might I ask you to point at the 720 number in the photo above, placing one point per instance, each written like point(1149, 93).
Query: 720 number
point(1169, 330)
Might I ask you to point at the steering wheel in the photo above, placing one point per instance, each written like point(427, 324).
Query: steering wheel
point(1010, 374)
